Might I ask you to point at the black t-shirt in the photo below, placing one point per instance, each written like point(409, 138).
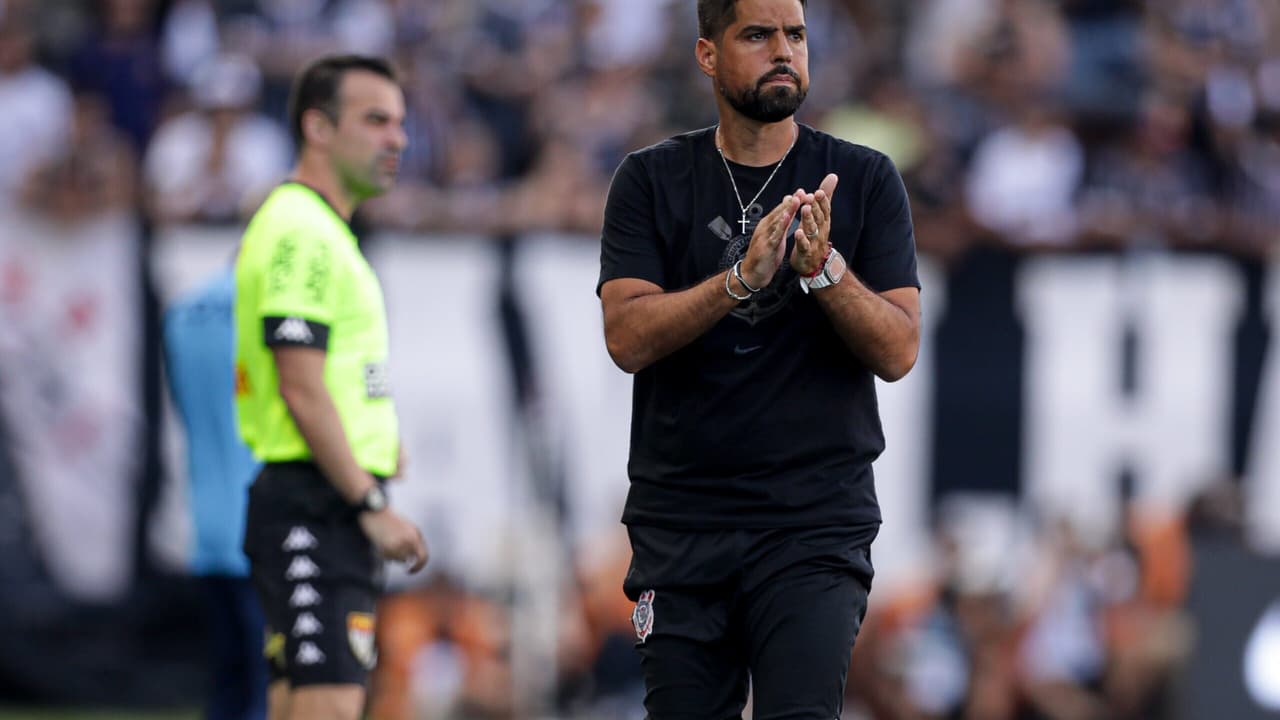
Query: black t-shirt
point(767, 419)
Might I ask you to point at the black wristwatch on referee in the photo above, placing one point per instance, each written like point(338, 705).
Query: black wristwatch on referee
point(373, 500)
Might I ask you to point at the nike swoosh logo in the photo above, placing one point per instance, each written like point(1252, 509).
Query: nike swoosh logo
point(739, 350)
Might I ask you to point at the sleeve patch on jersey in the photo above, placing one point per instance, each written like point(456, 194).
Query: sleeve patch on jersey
point(377, 381)
point(295, 331)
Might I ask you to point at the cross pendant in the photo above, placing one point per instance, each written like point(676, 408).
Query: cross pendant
point(743, 223)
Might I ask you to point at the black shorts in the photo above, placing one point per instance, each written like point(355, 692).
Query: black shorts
point(317, 575)
point(776, 608)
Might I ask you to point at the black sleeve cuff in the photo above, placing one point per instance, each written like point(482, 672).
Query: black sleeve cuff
point(294, 332)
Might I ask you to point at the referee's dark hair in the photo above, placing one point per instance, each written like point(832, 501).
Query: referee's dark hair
point(317, 86)
point(716, 15)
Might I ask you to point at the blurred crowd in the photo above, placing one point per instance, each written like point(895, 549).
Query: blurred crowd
point(1067, 123)
point(1026, 124)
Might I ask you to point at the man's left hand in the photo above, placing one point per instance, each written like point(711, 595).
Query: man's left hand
point(813, 237)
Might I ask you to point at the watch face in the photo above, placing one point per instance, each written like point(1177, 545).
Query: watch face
point(375, 499)
point(836, 268)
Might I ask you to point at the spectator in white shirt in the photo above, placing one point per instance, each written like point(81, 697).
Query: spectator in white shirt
point(214, 163)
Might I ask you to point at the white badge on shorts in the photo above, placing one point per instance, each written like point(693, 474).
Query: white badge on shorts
point(642, 616)
point(360, 627)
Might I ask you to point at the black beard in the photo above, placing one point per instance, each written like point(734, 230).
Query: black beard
point(768, 104)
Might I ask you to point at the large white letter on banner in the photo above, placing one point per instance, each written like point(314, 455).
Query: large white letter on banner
point(902, 471)
point(1081, 427)
point(452, 392)
point(1262, 485)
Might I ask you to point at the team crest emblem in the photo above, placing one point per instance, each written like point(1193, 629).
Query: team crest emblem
point(642, 616)
point(360, 628)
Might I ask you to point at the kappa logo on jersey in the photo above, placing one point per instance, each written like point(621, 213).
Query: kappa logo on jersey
point(360, 627)
point(309, 654)
point(295, 330)
point(642, 616)
point(306, 624)
point(302, 568)
point(299, 539)
point(304, 596)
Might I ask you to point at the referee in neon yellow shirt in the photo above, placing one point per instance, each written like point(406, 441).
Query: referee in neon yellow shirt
point(313, 398)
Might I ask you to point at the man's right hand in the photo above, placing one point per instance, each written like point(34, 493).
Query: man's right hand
point(395, 538)
point(769, 243)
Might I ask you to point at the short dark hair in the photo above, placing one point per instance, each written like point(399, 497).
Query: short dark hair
point(317, 86)
point(716, 15)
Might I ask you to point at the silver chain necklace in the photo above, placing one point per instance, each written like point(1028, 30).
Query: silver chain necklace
point(736, 194)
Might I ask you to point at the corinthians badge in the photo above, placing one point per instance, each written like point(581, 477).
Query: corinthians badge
point(642, 616)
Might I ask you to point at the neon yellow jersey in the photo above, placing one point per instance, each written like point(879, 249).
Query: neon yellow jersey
point(302, 281)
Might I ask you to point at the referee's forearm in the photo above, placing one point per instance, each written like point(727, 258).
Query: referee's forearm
point(320, 425)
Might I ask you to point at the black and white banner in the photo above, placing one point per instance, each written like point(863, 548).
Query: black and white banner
point(70, 391)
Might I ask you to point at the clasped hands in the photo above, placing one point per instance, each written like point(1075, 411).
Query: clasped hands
point(813, 236)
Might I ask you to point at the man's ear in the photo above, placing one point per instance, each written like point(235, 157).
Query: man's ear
point(706, 53)
point(317, 128)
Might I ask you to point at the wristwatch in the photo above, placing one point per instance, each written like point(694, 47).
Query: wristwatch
point(832, 270)
point(374, 500)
